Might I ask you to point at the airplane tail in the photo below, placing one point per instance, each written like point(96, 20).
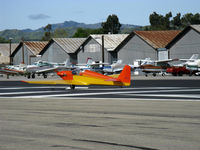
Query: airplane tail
point(89, 61)
point(67, 63)
point(125, 75)
point(194, 56)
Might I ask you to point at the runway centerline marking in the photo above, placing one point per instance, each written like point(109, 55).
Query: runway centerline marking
point(27, 92)
point(107, 93)
point(164, 95)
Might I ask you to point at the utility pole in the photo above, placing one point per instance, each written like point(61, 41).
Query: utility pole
point(10, 42)
point(102, 48)
point(22, 50)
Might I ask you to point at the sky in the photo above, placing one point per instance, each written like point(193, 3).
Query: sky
point(33, 14)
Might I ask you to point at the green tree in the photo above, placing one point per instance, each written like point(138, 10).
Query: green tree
point(3, 40)
point(60, 33)
point(167, 21)
point(80, 32)
point(154, 19)
point(189, 19)
point(47, 34)
point(176, 22)
point(160, 22)
point(111, 25)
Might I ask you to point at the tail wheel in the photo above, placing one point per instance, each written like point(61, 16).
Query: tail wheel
point(72, 87)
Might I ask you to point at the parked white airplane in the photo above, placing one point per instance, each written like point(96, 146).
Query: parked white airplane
point(151, 66)
point(192, 64)
point(116, 67)
point(13, 70)
point(98, 66)
point(44, 67)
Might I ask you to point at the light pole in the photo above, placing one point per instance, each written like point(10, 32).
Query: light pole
point(10, 42)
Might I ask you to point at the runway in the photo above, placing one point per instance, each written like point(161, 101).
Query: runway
point(98, 124)
point(148, 115)
point(143, 89)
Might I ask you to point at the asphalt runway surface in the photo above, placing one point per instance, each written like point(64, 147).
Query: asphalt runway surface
point(93, 124)
point(148, 115)
point(139, 89)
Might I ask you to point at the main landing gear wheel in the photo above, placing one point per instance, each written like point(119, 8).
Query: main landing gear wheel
point(33, 75)
point(44, 75)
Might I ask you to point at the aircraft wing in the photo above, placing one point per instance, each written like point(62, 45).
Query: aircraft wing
point(46, 82)
point(7, 72)
point(47, 70)
point(191, 59)
point(187, 60)
point(166, 60)
point(153, 70)
point(96, 64)
point(65, 82)
point(12, 72)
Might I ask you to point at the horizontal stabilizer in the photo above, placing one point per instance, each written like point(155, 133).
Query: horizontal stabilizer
point(113, 79)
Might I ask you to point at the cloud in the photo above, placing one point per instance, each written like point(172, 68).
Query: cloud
point(38, 16)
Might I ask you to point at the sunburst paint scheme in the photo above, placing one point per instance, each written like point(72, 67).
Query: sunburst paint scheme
point(90, 78)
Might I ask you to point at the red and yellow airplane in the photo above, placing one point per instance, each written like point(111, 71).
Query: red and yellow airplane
point(89, 78)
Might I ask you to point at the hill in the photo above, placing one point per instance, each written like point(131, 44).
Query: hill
point(69, 26)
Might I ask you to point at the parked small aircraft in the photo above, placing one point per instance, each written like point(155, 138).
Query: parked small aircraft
point(39, 67)
point(98, 66)
point(13, 70)
point(116, 67)
point(190, 66)
point(155, 66)
point(89, 78)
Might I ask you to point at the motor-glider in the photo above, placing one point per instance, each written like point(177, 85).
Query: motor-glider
point(89, 78)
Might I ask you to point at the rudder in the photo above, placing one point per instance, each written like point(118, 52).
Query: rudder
point(125, 75)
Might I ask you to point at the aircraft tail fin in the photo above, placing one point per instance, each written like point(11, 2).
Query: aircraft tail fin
point(194, 56)
point(89, 61)
point(125, 75)
point(67, 63)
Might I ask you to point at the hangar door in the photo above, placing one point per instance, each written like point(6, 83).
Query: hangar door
point(162, 54)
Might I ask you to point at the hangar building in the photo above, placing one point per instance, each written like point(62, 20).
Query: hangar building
point(59, 49)
point(27, 52)
point(92, 47)
point(146, 44)
point(5, 52)
point(186, 43)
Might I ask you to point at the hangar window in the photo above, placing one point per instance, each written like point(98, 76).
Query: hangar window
point(92, 48)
